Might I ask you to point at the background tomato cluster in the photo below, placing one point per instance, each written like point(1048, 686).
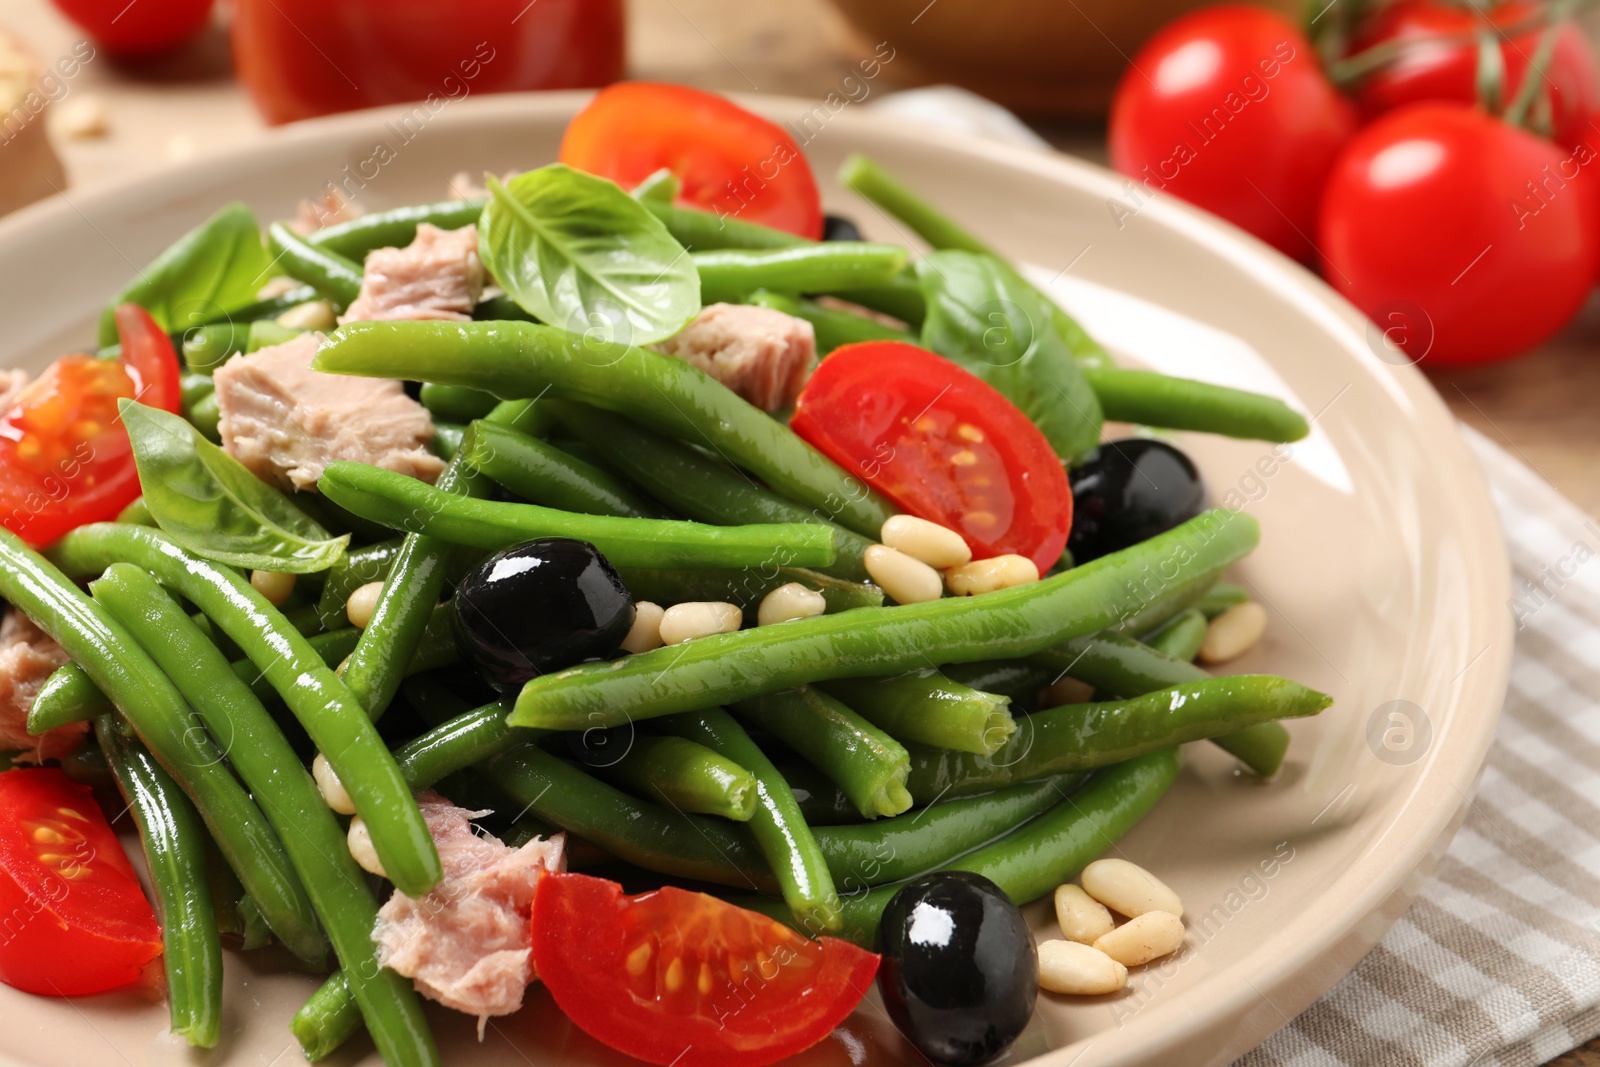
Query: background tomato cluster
point(1439, 163)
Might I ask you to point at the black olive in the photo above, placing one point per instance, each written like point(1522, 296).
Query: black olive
point(839, 228)
point(1128, 491)
point(960, 972)
point(540, 606)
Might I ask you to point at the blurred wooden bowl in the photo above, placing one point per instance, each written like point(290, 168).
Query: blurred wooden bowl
point(1037, 56)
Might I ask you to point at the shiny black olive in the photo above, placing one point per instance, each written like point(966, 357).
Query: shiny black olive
point(540, 606)
point(1128, 491)
point(839, 228)
point(960, 972)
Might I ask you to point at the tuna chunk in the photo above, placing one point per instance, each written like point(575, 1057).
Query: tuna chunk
point(287, 422)
point(763, 355)
point(27, 656)
point(436, 276)
point(466, 944)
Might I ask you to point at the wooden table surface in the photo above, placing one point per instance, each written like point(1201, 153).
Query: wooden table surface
point(1541, 407)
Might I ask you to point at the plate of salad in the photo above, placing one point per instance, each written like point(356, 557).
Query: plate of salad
point(649, 577)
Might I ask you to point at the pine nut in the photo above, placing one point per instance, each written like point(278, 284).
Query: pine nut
point(645, 633)
point(1234, 632)
point(362, 603)
point(274, 585)
point(1067, 691)
point(907, 580)
point(328, 784)
point(1082, 918)
point(791, 601)
point(360, 841)
point(1140, 940)
point(935, 545)
point(701, 618)
point(312, 315)
point(989, 575)
point(1068, 967)
point(1128, 889)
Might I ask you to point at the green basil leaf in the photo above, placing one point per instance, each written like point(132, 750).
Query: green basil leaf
point(210, 504)
point(215, 268)
point(985, 317)
point(578, 253)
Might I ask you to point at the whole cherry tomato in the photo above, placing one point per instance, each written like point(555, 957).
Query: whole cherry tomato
point(1439, 67)
point(140, 29)
point(1228, 109)
point(1465, 239)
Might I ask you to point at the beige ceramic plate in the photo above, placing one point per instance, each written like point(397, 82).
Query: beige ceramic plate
point(1381, 566)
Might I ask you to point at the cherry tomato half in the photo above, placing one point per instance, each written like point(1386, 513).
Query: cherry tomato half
point(1436, 69)
point(73, 919)
point(1228, 109)
point(728, 160)
point(941, 443)
point(1466, 239)
point(64, 454)
point(141, 29)
point(674, 977)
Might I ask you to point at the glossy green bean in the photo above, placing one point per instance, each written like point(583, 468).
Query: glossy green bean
point(1220, 598)
point(702, 231)
point(174, 845)
point(1080, 737)
point(357, 567)
point(394, 228)
point(832, 326)
point(327, 1020)
point(1181, 638)
point(1017, 680)
point(192, 386)
point(925, 707)
point(684, 775)
point(331, 274)
point(264, 759)
point(745, 588)
point(732, 273)
point(865, 762)
point(404, 503)
point(697, 486)
point(67, 696)
point(137, 513)
point(167, 726)
point(206, 416)
point(457, 743)
point(543, 474)
point(667, 395)
point(883, 189)
point(1118, 590)
point(336, 723)
point(453, 403)
point(1152, 399)
point(205, 348)
point(901, 299)
point(446, 440)
point(661, 186)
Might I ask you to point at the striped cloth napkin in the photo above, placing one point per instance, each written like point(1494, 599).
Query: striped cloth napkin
point(1498, 959)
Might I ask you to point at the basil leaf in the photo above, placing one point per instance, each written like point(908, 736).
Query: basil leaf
point(211, 505)
point(215, 268)
point(577, 252)
point(985, 317)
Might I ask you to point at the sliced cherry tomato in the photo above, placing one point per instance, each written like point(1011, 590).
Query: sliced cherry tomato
point(1464, 239)
point(728, 160)
point(138, 29)
point(73, 919)
point(64, 454)
point(1438, 66)
point(1228, 109)
point(941, 443)
point(674, 977)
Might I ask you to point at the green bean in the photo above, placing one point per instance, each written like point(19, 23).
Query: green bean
point(684, 775)
point(394, 228)
point(731, 273)
point(446, 440)
point(205, 348)
point(1117, 590)
point(745, 588)
point(457, 743)
point(833, 326)
point(705, 231)
point(777, 826)
point(167, 726)
point(1181, 638)
point(436, 649)
point(331, 274)
point(174, 845)
point(193, 386)
point(87, 766)
point(329, 1019)
point(697, 486)
point(456, 404)
point(318, 699)
point(1152, 399)
point(501, 308)
point(137, 513)
point(1018, 681)
point(661, 186)
point(265, 333)
point(404, 503)
point(67, 696)
point(543, 474)
point(925, 707)
point(883, 189)
point(206, 416)
point(1220, 598)
point(901, 299)
point(668, 395)
point(1079, 737)
point(264, 309)
point(822, 802)
point(267, 763)
point(864, 761)
point(357, 567)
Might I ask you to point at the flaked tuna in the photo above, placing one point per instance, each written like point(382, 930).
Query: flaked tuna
point(763, 355)
point(436, 276)
point(287, 422)
point(27, 657)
